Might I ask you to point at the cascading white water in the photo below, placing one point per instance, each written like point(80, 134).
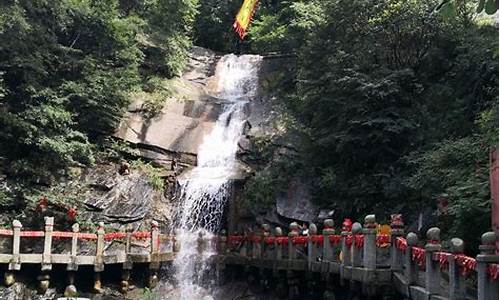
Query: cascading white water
point(206, 187)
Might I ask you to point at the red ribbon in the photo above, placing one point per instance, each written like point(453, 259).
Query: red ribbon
point(383, 240)
point(335, 239)
point(493, 271)
point(442, 258)
point(317, 239)
point(254, 239)
point(418, 255)
point(141, 234)
point(6, 232)
point(401, 244)
point(269, 240)
point(467, 264)
point(349, 240)
point(359, 240)
point(281, 240)
point(235, 239)
point(300, 240)
point(115, 235)
point(32, 234)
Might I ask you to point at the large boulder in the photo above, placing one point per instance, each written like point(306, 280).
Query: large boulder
point(297, 204)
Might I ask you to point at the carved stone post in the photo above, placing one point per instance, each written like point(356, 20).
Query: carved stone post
point(432, 271)
point(346, 248)
point(278, 248)
point(220, 265)
point(294, 232)
point(15, 262)
point(47, 245)
point(311, 247)
point(154, 265)
point(457, 289)
point(265, 234)
point(397, 231)
point(99, 258)
point(176, 245)
point(369, 245)
point(327, 247)
point(486, 287)
point(357, 229)
point(73, 266)
point(128, 264)
point(223, 243)
point(411, 268)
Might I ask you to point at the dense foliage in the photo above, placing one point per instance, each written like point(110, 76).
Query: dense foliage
point(398, 101)
point(66, 67)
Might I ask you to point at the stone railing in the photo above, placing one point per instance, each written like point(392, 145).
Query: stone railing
point(358, 254)
point(84, 249)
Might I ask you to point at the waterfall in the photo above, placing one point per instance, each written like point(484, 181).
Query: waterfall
point(205, 189)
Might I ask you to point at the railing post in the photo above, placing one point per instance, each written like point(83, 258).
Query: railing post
point(311, 247)
point(278, 233)
point(72, 267)
point(346, 248)
point(265, 234)
point(457, 289)
point(220, 265)
point(486, 288)
point(127, 264)
point(432, 271)
point(357, 229)
point(15, 262)
point(369, 245)
point(397, 231)
point(99, 258)
point(294, 232)
point(176, 245)
point(411, 268)
point(223, 243)
point(327, 247)
point(154, 264)
point(47, 245)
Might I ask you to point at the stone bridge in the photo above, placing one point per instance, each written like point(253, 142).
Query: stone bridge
point(358, 258)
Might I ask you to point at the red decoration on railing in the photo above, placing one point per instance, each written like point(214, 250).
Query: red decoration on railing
point(32, 234)
point(418, 255)
point(348, 240)
point(383, 240)
point(300, 240)
point(6, 232)
point(62, 234)
point(317, 239)
point(467, 264)
point(335, 239)
point(254, 239)
point(87, 236)
point(235, 239)
point(141, 234)
point(359, 240)
point(442, 258)
point(115, 235)
point(401, 244)
point(269, 240)
point(281, 240)
point(493, 271)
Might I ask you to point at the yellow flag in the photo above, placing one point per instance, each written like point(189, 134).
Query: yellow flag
point(244, 17)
